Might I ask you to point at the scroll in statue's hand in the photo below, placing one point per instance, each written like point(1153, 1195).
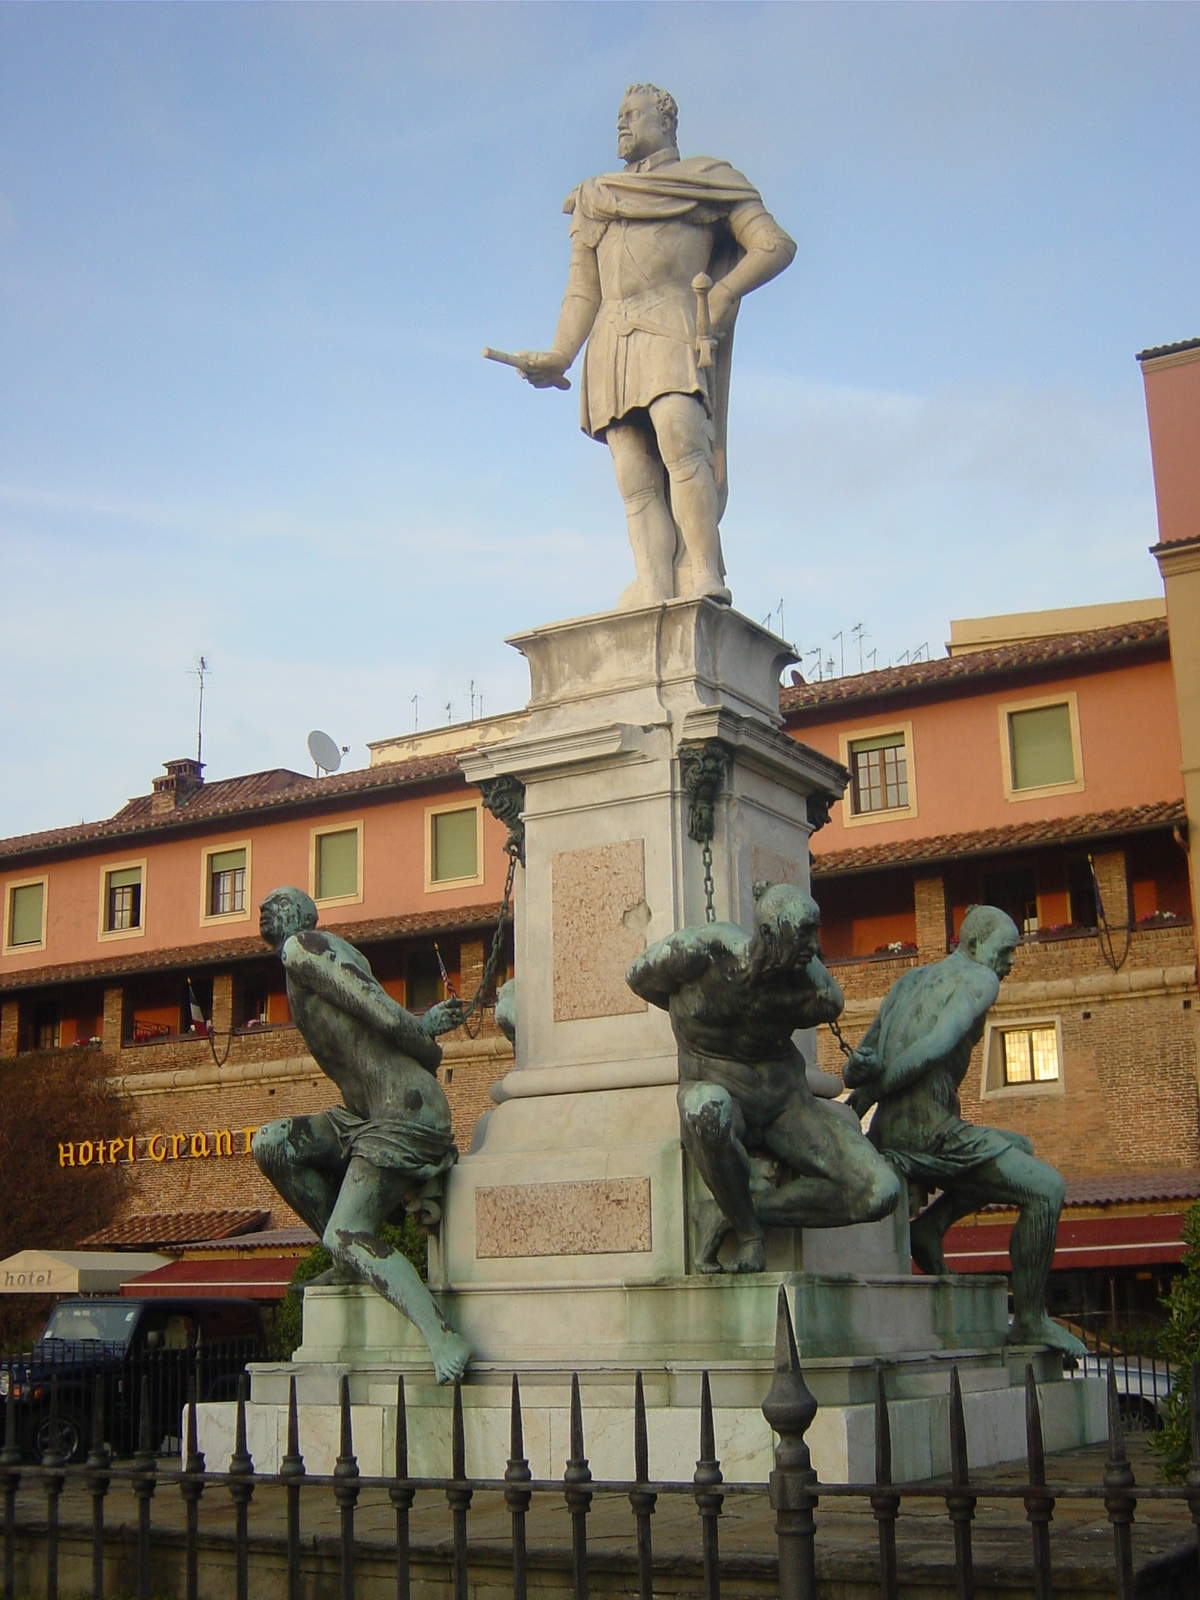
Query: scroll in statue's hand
point(544, 369)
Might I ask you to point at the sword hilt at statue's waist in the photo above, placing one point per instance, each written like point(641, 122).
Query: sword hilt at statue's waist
point(706, 343)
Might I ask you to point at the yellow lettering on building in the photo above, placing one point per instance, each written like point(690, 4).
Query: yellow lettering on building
point(116, 1147)
point(199, 1145)
point(178, 1140)
point(247, 1134)
point(86, 1151)
point(66, 1154)
point(223, 1142)
point(156, 1148)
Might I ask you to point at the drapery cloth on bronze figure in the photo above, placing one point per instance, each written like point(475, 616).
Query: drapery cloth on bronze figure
point(643, 342)
point(391, 1142)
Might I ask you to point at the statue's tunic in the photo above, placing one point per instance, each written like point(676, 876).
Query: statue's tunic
point(652, 229)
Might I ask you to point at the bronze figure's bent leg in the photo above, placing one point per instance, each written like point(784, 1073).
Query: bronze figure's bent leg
point(840, 1176)
point(369, 1195)
point(712, 1125)
point(302, 1158)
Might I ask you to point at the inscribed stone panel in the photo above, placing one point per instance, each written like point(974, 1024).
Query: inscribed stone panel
point(599, 916)
point(597, 1216)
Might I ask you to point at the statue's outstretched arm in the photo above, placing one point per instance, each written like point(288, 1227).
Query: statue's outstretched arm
point(312, 961)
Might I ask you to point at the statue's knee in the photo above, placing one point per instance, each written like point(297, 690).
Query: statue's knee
point(269, 1146)
point(706, 1113)
point(883, 1193)
point(686, 465)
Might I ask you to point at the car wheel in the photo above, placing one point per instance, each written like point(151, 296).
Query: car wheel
point(1137, 1414)
point(68, 1435)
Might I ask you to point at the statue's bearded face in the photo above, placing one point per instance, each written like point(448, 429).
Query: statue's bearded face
point(640, 128)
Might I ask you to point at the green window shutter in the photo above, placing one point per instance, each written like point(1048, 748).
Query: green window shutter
point(1040, 741)
point(337, 864)
point(226, 861)
point(25, 914)
point(124, 876)
point(455, 853)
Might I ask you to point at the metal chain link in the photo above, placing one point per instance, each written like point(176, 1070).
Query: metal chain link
point(492, 965)
point(837, 1034)
point(706, 855)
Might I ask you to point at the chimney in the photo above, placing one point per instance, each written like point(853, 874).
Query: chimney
point(183, 777)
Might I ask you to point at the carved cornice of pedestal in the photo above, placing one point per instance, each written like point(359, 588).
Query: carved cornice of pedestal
point(767, 751)
point(559, 749)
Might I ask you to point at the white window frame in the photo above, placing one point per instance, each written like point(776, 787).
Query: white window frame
point(105, 933)
point(846, 743)
point(24, 883)
point(208, 918)
point(993, 1086)
point(436, 885)
point(356, 828)
point(1066, 697)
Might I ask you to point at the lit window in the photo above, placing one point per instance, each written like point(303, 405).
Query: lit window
point(335, 864)
point(25, 915)
point(878, 773)
point(1039, 742)
point(226, 892)
point(454, 845)
point(122, 899)
point(1030, 1055)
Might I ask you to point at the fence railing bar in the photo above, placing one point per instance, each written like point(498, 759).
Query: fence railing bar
point(885, 1502)
point(709, 1495)
point(291, 1470)
point(789, 1409)
point(97, 1479)
point(1193, 1475)
point(458, 1495)
point(517, 1495)
point(144, 1481)
point(10, 1472)
point(642, 1499)
point(961, 1498)
point(346, 1486)
point(191, 1487)
point(1119, 1501)
point(401, 1492)
point(240, 1480)
point(53, 1478)
point(577, 1491)
point(1039, 1505)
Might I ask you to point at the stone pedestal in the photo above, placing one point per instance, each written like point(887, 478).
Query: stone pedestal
point(565, 1243)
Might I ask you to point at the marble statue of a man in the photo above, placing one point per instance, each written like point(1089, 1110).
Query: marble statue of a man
point(350, 1169)
point(909, 1066)
point(644, 243)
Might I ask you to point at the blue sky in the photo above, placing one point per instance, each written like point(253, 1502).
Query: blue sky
point(250, 254)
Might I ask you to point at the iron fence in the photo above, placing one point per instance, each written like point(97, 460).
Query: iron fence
point(35, 1494)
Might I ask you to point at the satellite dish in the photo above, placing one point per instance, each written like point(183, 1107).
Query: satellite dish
point(326, 755)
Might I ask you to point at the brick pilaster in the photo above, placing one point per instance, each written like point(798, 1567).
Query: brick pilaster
point(114, 1019)
point(929, 904)
point(10, 1024)
point(222, 1002)
point(1112, 881)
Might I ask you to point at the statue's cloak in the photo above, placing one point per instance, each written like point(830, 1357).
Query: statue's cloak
point(697, 190)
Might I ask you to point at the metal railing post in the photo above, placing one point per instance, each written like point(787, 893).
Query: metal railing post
point(789, 1409)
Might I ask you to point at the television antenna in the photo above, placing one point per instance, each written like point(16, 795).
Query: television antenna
point(326, 755)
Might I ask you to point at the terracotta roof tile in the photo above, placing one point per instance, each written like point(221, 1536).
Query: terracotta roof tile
point(995, 841)
point(222, 951)
point(176, 1227)
point(227, 798)
point(1177, 1183)
point(261, 1239)
point(1003, 661)
point(1168, 349)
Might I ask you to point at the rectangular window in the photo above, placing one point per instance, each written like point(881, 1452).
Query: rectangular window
point(453, 845)
point(25, 915)
point(1029, 1055)
point(226, 882)
point(878, 773)
point(122, 899)
point(335, 864)
point(1040, 741)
